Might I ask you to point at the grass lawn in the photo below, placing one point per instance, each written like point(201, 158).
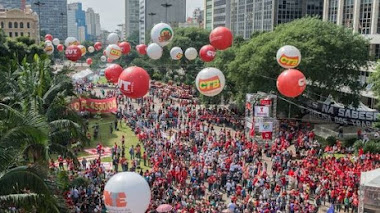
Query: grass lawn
point(337, 156)
point(102, 80)
point(108, 140)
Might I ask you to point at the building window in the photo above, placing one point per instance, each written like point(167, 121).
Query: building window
point(10, 25)
point(10, 34)
point(21, 24)
point(333, 11)
point(2, 25)
point(21, 34)
point(28, 34)
point(16, 34)
point(15, 25)
point(365, 17)
point(348, 13)
point(28, 25)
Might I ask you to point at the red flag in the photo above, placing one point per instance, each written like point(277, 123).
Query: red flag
point(266, 135)
point(248, 105)
point(252, 131)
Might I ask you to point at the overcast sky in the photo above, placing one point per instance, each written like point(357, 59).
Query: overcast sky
point(112, 11)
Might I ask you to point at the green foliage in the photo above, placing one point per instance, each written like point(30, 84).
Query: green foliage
point(349, 142)
point(79, 181)
point(331, 56)
point(331, 141)
point(63, 180)
point(375, 80)
point(371, 146)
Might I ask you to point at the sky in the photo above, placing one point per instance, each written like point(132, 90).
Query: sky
point(112, 11)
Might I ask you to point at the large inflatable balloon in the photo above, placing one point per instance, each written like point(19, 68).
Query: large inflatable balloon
point(210, 81)
point(288, 56)
point(176, 53)
point(154, 51)
point(103, 58)
point(291, 83)
point(82, 49)
point(98, 46)
point(162, 34)
point(71, 41)
point(49, 48)
point(113, 51)
point(134, 82)
point(141, 49)
point(191, 53)
point(221, 38)
point(89, 61)
point(125, 47)
point(48, 37)
point(127, 192)
point(113, 72)
point(113, 38)
point(207, 53)
point(60, 47)
point(73, 53)
point(109, 60)
point(91, 49)
point(56, 41)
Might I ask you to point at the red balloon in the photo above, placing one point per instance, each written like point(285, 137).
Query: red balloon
point(221, 38)
point(109, 60)
point(60, 47)
point(48, 37)
point(73, 53)
point(98, 46)
point(141, 48)
point(134, 82)
point(89, 61)
point(207, 53)
point(113, 72)
point(291, 83)
point(125, 47)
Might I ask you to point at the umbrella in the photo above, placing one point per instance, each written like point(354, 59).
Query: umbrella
point(164, 208)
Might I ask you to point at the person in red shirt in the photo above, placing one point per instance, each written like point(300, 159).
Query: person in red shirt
point(60, 161)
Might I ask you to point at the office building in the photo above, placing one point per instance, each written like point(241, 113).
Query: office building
point(152, 12)
point(52, 14)
point(72, 27)
point(92, 23)
point(217, 13)
point(80, 20)
point(132, 14)
point(248, 16)
point(362, 16)
point(16, 23)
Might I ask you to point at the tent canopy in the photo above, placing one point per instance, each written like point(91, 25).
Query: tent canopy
point(82, 74)
point(371, 178)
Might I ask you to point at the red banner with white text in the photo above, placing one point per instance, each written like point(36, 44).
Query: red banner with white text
point(95, 105)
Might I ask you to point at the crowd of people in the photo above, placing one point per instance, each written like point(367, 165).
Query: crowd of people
point(201, 161)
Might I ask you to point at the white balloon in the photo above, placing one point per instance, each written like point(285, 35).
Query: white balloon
point(48, 42)
point(113, 38)
point(103, 58)
point(113, 51)
point(71, 41)
point(191, 53)
point(91, 49)
point(154, 51)
point(210, 81)
point(49, 48)
point(288, 57)
point(56, 41)
point(176, 53)
point(127, 192)
point(162, 34)
point(82, 49)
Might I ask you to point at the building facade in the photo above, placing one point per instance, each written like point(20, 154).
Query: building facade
point(208, 14)
point(132, 13)
point(52, 13)
point(72, 27)
point(217, 13)
point(153, 12)
point(80, 20)
point(17, 23)
point(92, 23)
point(248, 16)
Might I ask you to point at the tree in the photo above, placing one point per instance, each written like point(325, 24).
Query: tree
point(331, 58)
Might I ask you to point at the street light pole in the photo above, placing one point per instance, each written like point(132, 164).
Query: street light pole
point(166, 5)
point(63, 31)
point(39, 4)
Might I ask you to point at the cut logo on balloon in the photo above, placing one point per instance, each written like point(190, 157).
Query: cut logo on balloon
point(288, 60)
point(179, 55)
point(211, 53)
point(126, 86)
point(165, 35)
point(302, 82)
point(210, 84)
point(115, 199)
point(48, 48)
point(115, 52)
